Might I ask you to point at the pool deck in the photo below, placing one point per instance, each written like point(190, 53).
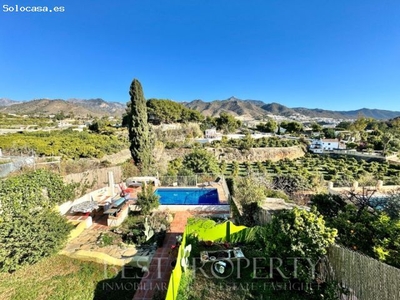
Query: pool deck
point(223, 198)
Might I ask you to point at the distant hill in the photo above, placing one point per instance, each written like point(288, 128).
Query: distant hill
point(372, 113)
point(257, 109)
point(7, 102)
point(237, 107)
point(234, 106)
point(78, 107)
point(278, 109)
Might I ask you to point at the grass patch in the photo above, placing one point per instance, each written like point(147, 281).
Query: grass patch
point(61, 277)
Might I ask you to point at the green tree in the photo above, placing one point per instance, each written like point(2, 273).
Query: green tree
point(249, 192)
point(208, 123)
point(300, 234)
point(168, 111)
point(344, 125)
point(292, 127)
point(328, 205)
point(147, 200)
point(201, 161)
point(139, 131)
point(227, 123)
point(387, 240)
point(316, 127)
point(246, 143)
point(375, 234)
point(269, 126)
point(329, 133)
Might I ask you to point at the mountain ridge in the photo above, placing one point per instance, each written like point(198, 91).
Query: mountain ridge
point(244, 108)
point(262, 109)
point(78, 107)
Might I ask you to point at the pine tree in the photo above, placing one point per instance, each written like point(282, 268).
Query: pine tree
point(139, 131)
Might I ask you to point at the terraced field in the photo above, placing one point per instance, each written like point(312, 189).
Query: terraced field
point(332, 169)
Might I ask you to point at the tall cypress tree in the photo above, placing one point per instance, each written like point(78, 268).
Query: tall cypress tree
point(139, 131)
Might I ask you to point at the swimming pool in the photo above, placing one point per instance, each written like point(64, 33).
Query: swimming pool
point(187, 196)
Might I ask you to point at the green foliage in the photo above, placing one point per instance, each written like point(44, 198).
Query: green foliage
point(269, 126)
point(250, 235)
point(174, 166)
point(208, 123)
point(67, 143)
point(102, 126)
point(391, 206)
point(184, 286)
point(329, 133)
point(27, 238)
point(307, 172)
point(387, 240)
point(147, 199)
point(374, 234)
point(344, 125)
point(316, 127)
point(249, 142)
point(106, 239)
point(290, 183)
point(276, 194)
point(298, 233)
point(328, 205)
point(168, 111)
point(15, 121)
point(249, 190)
point(227, 123)
point(30, 228)
point(246, 143)
point(129, 169)
point(139, 131)
point(201, 161)
point(292, 127)
point(33, 191)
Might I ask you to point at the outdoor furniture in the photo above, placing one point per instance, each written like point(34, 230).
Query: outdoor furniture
point(231, 254)
point(84, 207)
point(111, 211)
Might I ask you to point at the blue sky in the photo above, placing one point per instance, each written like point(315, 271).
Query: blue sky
point(331, 54)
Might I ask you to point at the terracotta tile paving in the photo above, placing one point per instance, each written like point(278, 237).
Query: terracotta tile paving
point(161, 266)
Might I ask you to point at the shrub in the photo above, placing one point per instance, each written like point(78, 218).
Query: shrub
point(27, 238)
point(298, 233)
point(147, 200)
point(30, 228)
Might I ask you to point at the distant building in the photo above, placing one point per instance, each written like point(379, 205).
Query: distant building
point(210, 133)
point(321, 145)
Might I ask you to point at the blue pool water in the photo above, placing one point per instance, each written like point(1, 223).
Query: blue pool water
point(187, 196)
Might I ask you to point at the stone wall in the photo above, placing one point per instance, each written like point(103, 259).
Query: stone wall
point(254, 154)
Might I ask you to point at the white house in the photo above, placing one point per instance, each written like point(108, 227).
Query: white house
point(320, 145)
point(211, 133)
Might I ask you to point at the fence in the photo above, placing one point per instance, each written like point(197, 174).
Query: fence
point(94, 179)
point(205, 230)
point(364, 277)
point(189, 180)
point(178, 180)
point(16, 163)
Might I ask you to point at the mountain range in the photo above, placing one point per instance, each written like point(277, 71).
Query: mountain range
point(257, 109)
point(245, 108)
point(77, 107)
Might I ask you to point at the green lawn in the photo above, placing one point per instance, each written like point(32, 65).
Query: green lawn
point(61, 277)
